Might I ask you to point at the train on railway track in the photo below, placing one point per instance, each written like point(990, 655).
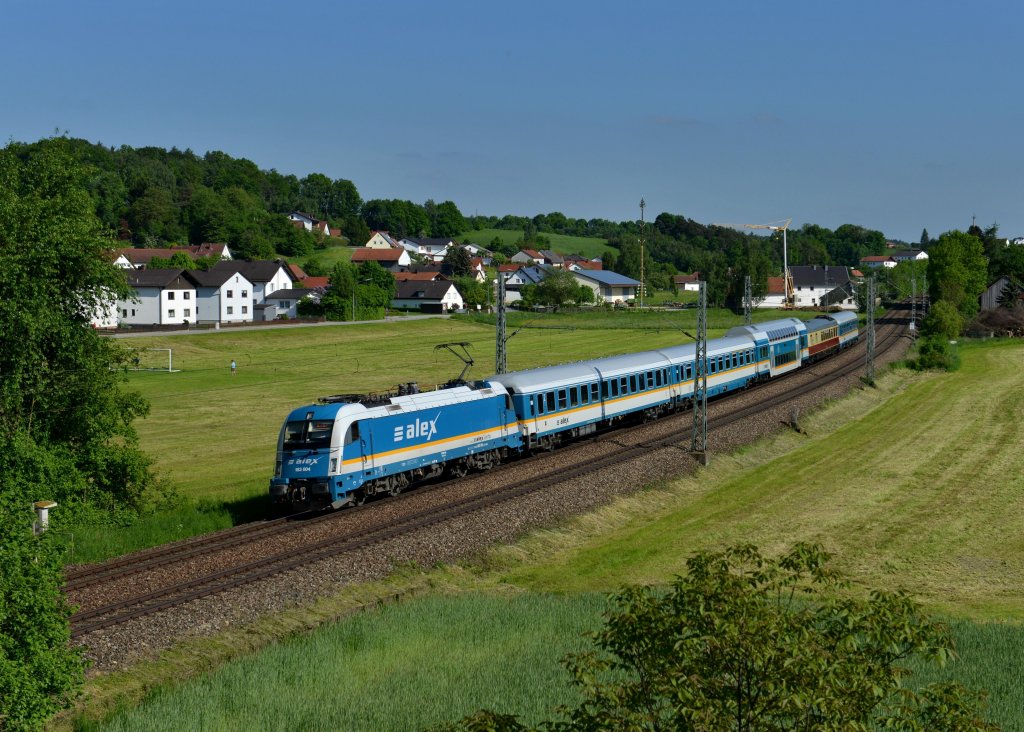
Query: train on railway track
point(347, 448)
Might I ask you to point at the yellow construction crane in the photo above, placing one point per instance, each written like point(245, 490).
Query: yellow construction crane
point(774, 226)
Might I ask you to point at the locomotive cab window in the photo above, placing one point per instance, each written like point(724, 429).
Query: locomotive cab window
point(352, 433)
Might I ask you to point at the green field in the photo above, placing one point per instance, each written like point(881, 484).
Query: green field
point(584, 245)
point(213, 436)
point(916, 484)
point(328, 257)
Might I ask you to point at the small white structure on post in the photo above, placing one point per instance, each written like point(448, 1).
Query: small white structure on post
point(43, 514)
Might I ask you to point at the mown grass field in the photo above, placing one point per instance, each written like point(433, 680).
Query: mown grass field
point(584, 245)
point(917, 484)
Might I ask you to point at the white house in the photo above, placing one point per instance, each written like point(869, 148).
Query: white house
point(687, 282)
point(285, 302)
point(105, 311)
point(432, 248)
point(310, 223)
point(879, 260)
point(266, 276)
point(162, 297)
point(909, 255)
point(388, 258)
point(436, 297)
point(608, 286)
point(222, 296)
point(812, 282)
point(381, 240)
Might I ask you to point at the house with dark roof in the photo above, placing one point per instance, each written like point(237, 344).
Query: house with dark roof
point(428, 297)
point(811, 284)
point(222, 296)
point(608, 286)
point(519, 278)
point(909, 255)
point(303, 220)
point(162, 297)
point(284, 303)
point(266, 276)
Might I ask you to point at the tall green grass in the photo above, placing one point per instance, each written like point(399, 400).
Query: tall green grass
point(403, 667)
point(426, 661)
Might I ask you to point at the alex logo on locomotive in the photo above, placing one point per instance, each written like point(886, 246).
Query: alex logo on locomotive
point(419, 428)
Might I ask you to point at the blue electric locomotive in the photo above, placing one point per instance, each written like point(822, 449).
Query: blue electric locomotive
point(345, 449)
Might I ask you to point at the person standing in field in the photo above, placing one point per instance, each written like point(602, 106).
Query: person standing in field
point(233, 367)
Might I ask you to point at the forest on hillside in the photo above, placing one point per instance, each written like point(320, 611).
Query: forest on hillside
point(155, 197)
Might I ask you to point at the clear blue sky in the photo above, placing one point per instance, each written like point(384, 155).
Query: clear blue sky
point(893, 115)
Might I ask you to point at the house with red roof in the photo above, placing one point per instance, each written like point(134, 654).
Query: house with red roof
point(387, 258)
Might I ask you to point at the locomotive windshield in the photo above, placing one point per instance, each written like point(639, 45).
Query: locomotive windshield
point(310, 433)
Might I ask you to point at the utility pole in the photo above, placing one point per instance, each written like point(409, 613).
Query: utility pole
point(643, 205)
point(500, 354)
point(870, 327)
point(699, 443)
point(913, 298)
point(748, 300)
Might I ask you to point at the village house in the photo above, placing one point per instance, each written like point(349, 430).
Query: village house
point(222, 296)
point(878, 260)
point(162, 297)
point(285, 302)
point(140, 257)
point(990, 297)
point(266, 276)
point(909, 255)
point(609, 287)
point(433, 249)
point(388, 258)
point(811, 283)
point(687, 282)
point(429, 297)
point(519, 278)
point(309, 223)
point(381, 240)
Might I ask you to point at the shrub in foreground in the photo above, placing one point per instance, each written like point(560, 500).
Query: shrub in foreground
point(746, 642)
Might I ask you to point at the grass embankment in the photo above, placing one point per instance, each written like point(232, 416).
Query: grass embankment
point(587, 246)
point(916, 484)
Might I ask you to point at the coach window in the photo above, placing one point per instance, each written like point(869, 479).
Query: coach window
point(594, 392)
point(606, 388)
point(551, 401)
point(563, 401)
point(615, 387)
point(574, 396)
point(659, 377)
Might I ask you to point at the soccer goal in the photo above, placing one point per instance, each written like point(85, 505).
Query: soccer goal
point(152, 359)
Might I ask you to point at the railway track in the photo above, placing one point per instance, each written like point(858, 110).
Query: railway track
point(179, 593)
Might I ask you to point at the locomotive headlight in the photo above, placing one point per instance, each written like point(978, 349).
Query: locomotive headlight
point(277, 468)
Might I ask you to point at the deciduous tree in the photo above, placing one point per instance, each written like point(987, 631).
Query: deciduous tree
point(748, 642)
